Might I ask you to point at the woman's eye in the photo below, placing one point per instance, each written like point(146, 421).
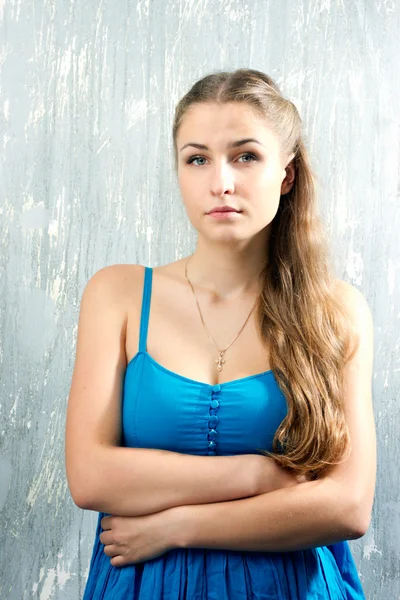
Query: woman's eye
point(193, 158)
point(250, 154)
point(246, 154)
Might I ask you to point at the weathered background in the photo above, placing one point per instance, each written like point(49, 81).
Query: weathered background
point(87, 94)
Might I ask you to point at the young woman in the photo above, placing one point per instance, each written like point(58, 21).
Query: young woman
point(220, 417)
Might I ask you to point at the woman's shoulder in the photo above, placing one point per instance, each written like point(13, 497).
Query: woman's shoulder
point(356, 306)
point(128, 272)
point(350, 296)
point(118, 275)
point(124, 282)
point(119, 283)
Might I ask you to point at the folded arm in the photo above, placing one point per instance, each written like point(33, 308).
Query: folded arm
point(136, 482)
point(314, 513)
point(106, 477)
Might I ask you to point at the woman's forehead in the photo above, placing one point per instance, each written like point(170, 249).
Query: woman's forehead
point(223, 124)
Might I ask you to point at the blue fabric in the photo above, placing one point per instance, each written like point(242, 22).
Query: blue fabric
point(164, 410)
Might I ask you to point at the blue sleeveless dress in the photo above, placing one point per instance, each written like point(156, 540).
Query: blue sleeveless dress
point(164, 410)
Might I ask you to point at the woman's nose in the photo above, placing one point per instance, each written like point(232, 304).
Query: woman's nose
point(222, 181)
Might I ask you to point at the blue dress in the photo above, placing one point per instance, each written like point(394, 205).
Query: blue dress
point(164, 410)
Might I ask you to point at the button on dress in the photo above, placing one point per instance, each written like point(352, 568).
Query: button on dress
point(164, 410)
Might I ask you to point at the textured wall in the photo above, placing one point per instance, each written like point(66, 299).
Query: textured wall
point(87, 94)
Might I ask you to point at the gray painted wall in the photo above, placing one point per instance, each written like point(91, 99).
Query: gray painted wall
point(87, 94)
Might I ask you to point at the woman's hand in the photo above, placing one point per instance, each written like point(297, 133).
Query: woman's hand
point(130, 540)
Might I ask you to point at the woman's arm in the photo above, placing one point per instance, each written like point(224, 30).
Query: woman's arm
point(314, 513)
point(138, 482)
point(105, 477)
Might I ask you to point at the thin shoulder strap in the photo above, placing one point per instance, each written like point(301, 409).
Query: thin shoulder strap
point(144, 317)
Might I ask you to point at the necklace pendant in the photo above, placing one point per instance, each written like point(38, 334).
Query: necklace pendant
point(220, 361)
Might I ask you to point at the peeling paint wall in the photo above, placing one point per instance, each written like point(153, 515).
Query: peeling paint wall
point(87, 94)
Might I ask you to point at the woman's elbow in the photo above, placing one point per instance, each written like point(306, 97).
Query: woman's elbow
point(82, 488)
point(358, 519)
point(363, 522)
point(80, 495)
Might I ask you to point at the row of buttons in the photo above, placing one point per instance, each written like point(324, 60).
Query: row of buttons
point(212, 422)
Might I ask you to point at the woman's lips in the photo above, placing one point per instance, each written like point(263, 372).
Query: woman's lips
point(220, 215)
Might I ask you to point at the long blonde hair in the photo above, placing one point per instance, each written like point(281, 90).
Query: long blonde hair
point(307, 330)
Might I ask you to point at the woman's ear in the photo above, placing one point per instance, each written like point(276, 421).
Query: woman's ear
point(289, 174)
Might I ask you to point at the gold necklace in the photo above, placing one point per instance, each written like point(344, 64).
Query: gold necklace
point(220, 360)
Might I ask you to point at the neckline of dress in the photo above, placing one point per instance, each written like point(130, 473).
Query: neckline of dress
point(195, 381)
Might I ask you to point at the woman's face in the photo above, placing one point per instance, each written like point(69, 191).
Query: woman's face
point(247, 177)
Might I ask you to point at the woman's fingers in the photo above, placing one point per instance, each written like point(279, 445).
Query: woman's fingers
point(111, 550)
point(106, 537)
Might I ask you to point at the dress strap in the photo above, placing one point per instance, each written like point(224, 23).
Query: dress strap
point(144, 317)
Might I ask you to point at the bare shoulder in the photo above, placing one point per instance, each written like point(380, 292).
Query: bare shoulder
point(361, 325)
point(355, 304)
point(118, 282)
point(120, 274)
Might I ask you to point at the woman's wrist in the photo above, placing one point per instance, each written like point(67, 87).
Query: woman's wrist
point(181, 526)
point(271, 476)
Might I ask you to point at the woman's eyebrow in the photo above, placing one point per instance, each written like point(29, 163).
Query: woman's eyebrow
point(229, 145)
